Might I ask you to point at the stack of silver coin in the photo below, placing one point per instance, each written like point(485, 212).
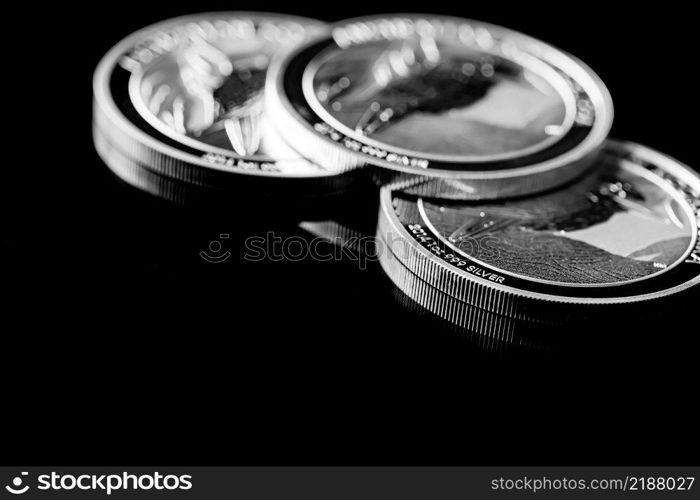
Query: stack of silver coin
point(500, 192)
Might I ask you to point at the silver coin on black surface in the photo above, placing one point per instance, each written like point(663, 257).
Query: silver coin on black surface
point(441, 98)
point(184, 98)
point(627, 232)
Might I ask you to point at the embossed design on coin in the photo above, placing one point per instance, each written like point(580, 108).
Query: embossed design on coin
point(628, 231)
point(616, 226)
point(209, 85)
point(184, 98)
point(437, 99)
point(427, 97)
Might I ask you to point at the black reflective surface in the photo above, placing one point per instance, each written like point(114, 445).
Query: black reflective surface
point(130, 347)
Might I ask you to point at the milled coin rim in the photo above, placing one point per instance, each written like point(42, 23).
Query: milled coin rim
point(485, 325)
point(567, 165)
point(199, 183)
point(174, 157)
point(465, 286)
point(139, 176)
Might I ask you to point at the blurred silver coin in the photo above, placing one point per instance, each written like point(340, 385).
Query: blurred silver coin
point(627, 232)
point(143, 178)
point(441, 97)
point(184, 98)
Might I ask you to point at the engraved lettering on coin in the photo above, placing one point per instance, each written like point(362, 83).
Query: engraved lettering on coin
point(616, 226)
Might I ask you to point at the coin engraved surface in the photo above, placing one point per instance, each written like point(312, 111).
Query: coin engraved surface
point(441, 97)
point(208, 83)
point(615, 226)
point(185, 98)
point(627, 231)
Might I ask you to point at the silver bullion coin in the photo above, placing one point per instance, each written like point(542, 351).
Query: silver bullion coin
point(627, 232)
point(441, 97)
point(184, 98)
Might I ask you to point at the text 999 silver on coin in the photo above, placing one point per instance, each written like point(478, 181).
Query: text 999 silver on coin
point(441, 97)
point(626, 232)
point(184, 98)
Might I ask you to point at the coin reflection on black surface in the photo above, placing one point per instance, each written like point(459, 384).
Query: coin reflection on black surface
point(142, 178)
point(217, 204)
point(490, 331)
point(486, 330)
